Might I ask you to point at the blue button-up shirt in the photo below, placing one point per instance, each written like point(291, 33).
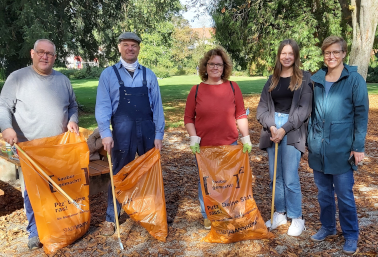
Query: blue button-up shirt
point(108, 97)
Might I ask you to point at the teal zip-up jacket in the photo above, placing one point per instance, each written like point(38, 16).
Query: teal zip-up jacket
point(338, 122)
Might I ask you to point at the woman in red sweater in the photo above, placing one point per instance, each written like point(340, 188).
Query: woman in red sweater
point(212, 108)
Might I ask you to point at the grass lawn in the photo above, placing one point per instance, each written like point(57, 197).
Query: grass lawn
point(372, 88)
point(173, 88)
point(178, 87)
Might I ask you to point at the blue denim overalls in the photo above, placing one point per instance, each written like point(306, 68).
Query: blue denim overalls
point(133, 130)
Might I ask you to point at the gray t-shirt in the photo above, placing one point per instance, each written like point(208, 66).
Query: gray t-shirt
point(37, 106)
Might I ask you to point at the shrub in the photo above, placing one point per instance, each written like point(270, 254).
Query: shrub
point(95, 72)
point(161, 72)
point(190, 71)
point(2, 74)
point(183, 71)
point(372, 76)
point(240, 73)
point(180, 72)
point(173, 71)
point(85, 73)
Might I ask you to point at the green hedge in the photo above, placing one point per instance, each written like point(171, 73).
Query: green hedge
point(161, 72)
point(85, 73)
point(372, 76)
point(242, 73)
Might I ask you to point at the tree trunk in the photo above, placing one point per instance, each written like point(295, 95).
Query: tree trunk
point(364, 21)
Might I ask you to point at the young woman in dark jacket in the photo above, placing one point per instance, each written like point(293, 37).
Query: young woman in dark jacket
point(283, 111)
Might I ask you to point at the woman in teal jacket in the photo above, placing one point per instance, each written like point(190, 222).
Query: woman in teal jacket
point(336, 131)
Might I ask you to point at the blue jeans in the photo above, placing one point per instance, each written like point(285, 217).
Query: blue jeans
point(342, 184)
point(288, 196)
point(32, 226)
point(200, 196)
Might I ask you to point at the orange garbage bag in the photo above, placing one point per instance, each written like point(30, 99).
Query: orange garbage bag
point(140, 190)
point(226, 182)
point(64, 158)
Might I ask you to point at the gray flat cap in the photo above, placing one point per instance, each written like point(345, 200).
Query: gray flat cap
point(129, 35)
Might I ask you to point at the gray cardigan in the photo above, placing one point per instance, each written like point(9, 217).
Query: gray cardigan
point(296, 126)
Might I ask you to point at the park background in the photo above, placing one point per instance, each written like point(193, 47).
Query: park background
point(250, 31)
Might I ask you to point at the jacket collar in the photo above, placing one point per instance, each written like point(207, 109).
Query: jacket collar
point(319, 77)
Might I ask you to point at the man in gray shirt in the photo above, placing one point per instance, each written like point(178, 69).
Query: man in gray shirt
point(37, 102)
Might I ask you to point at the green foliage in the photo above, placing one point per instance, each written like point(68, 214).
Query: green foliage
point(2, 74)
point(156, 46)
point(240, 73)
point(372, 76)
point(251, 31)
point(87, 28)
point(85, 73)
point(169, 51)
point(161, 72)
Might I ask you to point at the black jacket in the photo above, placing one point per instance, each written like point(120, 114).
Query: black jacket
point(296, 127)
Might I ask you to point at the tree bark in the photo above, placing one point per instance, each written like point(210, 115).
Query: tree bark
point(364, 22)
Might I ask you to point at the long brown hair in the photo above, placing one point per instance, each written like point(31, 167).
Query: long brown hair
point(296, 79)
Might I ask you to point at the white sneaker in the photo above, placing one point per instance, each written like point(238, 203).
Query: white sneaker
point(296, 227)
point(278, 220)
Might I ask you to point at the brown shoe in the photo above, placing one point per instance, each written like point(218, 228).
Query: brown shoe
point(108, 228)
point(207, 223)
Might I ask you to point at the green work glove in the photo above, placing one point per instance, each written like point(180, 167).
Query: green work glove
point(195, 148)
point(247, 145)
point(194, 144)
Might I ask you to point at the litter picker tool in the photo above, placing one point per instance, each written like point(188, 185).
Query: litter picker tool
point(46, 177)
point(114, 199)
point(274, 184)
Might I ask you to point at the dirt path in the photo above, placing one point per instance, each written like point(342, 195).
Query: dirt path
point(186, 232)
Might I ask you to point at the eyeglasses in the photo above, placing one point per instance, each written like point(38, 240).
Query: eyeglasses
point(41, 53)
point(335, 53)
point(212, 65)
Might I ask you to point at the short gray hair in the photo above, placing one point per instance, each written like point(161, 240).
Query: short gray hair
point(44, 40)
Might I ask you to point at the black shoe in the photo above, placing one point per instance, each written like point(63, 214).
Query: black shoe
point(34, 243)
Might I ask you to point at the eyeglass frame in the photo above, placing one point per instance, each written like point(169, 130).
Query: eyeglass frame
point(213, 65)
point(329, 54)
point(48, 54)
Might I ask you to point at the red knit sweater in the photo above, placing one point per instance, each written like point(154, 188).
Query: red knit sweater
point(214, 112)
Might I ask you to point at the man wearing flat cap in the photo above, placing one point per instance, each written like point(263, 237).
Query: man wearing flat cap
point(128, 98)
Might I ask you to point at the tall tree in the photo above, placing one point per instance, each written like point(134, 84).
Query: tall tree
point(77, 26)
point(364, 19)
point(251, 30)
point(157, 45)
point(184, 42)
